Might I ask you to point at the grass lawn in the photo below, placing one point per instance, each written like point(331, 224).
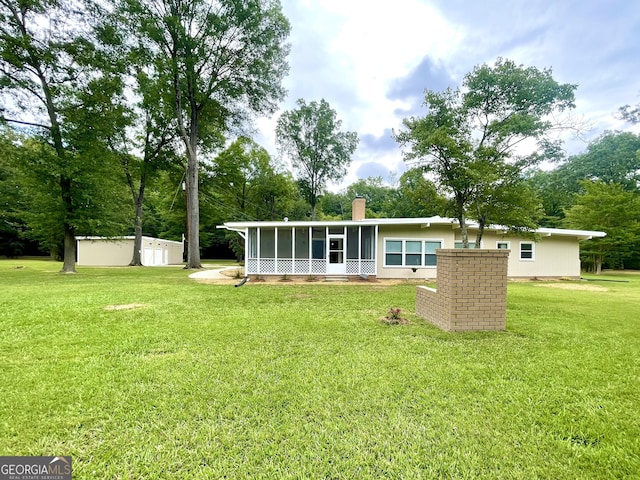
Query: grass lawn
point(304, 381)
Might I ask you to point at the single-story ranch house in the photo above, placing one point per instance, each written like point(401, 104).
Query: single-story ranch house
point(400, 248)
point(118, 251)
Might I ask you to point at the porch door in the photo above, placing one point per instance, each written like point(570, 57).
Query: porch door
point(336, 265)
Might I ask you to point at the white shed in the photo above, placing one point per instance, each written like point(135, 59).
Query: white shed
point(118, 251)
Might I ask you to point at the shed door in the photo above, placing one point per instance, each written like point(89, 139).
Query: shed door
point(147, 257)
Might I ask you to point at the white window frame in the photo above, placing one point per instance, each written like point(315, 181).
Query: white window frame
point(403, 251)
point(506, 242)
point(533, 252)
point(424, 240)
point(459, 242)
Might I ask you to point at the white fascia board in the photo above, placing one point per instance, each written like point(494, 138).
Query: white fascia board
point(424, 222)
point(331, 223)
point(582, 234)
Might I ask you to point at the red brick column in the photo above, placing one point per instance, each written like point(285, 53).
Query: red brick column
point(471, 293)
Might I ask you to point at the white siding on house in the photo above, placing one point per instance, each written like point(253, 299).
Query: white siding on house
point(554, 256)
point(410, 232)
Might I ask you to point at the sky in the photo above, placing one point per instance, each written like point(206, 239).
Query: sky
point(372, 61)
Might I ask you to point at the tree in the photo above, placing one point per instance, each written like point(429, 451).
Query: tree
point(13, 197)
point(613, 157)
point(416, 197)
point(557, 192)
point(469, 137)
point(610, 208)
point(507, 200)
point(48, 75)
point(243, 183)
point(311, 137)
point(223, 60)
point(338, 206)
point(374, 191)
point(237, 172)
point(150, 131)
point(630, 114)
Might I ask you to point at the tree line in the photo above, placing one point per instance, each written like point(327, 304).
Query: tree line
point(130, 117)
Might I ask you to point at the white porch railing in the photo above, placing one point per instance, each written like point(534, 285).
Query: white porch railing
point(360, 267)
point(288, 266)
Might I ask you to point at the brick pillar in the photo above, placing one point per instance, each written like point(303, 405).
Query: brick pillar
point(471, 293)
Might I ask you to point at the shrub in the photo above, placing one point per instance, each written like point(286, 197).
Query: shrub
point(393, 317)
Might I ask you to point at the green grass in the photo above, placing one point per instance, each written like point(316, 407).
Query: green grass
point(305, 381)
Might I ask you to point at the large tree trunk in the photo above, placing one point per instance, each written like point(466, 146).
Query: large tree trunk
point(69, 264)
point(69, 250)
point(69, 260)
point(193, 209)
point(462, 221)
point(189, 136)
point(598, 264)
point(136, 260)
point(481, 225)
point(464, 236)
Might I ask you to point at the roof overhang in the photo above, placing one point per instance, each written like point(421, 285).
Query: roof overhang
point(240, 227)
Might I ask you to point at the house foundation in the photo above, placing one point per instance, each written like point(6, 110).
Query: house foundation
point(471, 292)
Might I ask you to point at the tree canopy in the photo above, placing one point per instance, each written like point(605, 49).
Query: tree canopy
point(221, 61)
point(311, 137)
point(468, 140)
point(611, 208)
point(49, 67)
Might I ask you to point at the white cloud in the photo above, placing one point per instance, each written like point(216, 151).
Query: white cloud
point(352, 53)
point(378, 42)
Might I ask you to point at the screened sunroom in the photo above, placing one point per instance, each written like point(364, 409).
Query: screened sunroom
point(320, 249)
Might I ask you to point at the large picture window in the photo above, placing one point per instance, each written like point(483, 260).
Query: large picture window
point(410, 252)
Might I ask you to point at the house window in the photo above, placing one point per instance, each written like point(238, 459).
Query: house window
point(430, 252)
point(413, 253)
point(502, 245)
point(410, 253)
point(526, 251)
point(393, 252)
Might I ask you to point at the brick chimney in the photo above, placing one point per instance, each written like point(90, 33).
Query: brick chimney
point(358, 208)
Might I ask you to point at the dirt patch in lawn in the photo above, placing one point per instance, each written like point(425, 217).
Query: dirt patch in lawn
point(128, 306)
point(233, 272)
point(574, 286)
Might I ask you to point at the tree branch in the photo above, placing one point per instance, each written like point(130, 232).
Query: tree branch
point(21, 122)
